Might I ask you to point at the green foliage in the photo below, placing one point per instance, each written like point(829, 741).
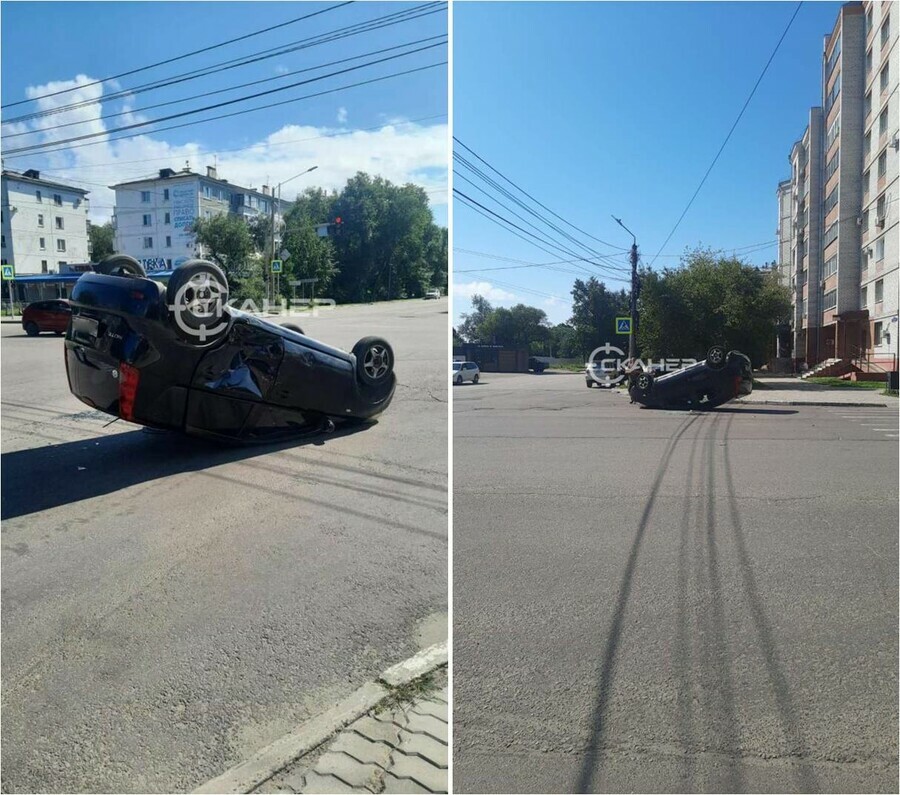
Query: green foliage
point(564, 341)
point(517, 327)
point(594, 312)
point(103, 241)
point(710, 300)
point(226, 240)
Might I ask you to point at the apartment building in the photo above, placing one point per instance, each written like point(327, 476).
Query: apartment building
point(45, 226)
point(844, 187)
point(153, 217)
point(806, 235)
point(784, 232)
point(880, 254)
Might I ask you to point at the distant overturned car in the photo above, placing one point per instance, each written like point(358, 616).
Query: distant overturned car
point(721, 377)
point(178, 357)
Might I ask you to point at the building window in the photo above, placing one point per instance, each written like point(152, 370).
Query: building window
point(165, 194)
point(42, 244)
point(882, 163)
point(207, 192)
point(864, 297)
point(832, 59)
point(168, 241)
point(879, 208)
point(865, 185)
point(61, 263)
point(147, 219)
point(869, 21)
point(879, 291)
point(867, 105)
point(867, 145)
point(831, 200)
point(60, 244)
point(869, 61)
point(879, 257)
point(40, 220)
point(43, 266)
point(37, 195)
point(830, 267)
point(145, 196)
point(832, 133)
point(168, 218)
point(57, 200)
point(886, 30)
point(833, 94)
point(148, 242)
point(830, 234)
point(884, 77)
point(833, 164)
point(59, 222)
point(879, 332)
point(883, 122)
point(829, 300)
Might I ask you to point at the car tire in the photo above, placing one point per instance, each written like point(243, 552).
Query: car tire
point(59, 333)
point(120, 265)
point(196, 295)
point(589, 384)
point(716, 357)
point(293, 327)
point(475, 378)
point(32, 330)
point(458, 380)
point(374, 360)
point(644, 382)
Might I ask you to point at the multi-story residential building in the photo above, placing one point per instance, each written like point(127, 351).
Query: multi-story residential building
point(806, 235)
point(45, 224)
point(153, 217)
point(784, 233)
point(844, 246)
point(880, 261)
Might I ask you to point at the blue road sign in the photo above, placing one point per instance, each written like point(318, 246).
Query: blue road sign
point(276, 266)
point(623, 325)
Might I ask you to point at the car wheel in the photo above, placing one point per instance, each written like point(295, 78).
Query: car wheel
point(32, 330)
point(59, 333)
point(374, 360)
point(119, 265)
point(196, 295)
point(293, 327)
point(644, 382)
point(458, 380)
point(589, 384)
point(475, 378)
point(716, 357)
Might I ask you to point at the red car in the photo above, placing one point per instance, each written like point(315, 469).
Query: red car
point(47, 316)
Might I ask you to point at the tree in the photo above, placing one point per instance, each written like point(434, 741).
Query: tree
point(473, 327)
point(594, 312)
point(710, 300)
point(226, 240)
point(564, 341)
point(517, 327)
point(103, 241)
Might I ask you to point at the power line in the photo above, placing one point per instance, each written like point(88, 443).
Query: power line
point(225, 90)
point(204, 153)
point(251, 110)
point(221, 104)
point(182, 57)
point(370, 25)
point(731, 131)
point(564, 220)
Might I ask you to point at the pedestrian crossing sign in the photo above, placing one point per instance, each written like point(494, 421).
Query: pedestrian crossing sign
point(623, 325)
point(276, 266)
point(9, 273)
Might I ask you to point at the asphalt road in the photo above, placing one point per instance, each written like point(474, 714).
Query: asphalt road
point(169, 605)
point(652, 601)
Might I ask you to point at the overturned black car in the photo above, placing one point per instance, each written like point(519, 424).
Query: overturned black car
point(721, 377)
point(177, 357)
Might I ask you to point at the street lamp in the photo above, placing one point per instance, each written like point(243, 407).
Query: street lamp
point(632, 340)
point(272, 233)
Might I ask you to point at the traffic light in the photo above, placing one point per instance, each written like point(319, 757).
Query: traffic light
point(338, 225)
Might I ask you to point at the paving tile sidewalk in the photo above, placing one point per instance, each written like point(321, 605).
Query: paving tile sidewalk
point(794, 391)
point(399, 749)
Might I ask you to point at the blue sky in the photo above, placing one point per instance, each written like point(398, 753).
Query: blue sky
point(618, 108)
point(101, 39)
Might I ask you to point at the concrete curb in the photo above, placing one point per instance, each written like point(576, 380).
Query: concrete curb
point(308, 736)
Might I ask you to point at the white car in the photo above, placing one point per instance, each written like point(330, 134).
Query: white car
point(464, 371)
point(432, 294)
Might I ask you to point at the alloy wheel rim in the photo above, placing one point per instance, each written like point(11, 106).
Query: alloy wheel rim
point(377, 362)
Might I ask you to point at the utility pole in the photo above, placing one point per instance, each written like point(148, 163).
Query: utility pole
point(635, 288)
point(268, 265)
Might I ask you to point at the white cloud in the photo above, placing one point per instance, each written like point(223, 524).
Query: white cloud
point(484, 289)
point(281, 69)
point(342, 115)
point(400, 151)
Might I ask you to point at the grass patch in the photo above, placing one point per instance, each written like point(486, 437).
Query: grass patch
point(877, 386)
point(569, 368)
point(418, 688)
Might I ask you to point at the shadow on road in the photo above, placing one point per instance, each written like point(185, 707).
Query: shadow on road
point(41, 478)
